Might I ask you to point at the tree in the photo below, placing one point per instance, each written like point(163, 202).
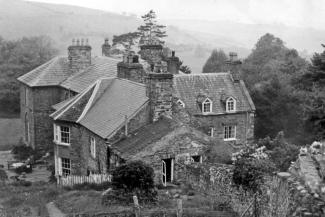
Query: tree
point(17, 58)
point(127, 39)
point(270, 72)
point(184, 68)
point(151, 32)
point(216, 62)
point(132, 176)
point(251, 166)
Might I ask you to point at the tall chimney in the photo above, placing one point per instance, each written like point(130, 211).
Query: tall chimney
point(79, 54)
point(131, 69)
point(173, 64)
point(159, 91)
point(151, 52)
point(234, 66)
point(106, 47)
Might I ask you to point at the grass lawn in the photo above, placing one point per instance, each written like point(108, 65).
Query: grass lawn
point(28, 201)
point(10, 132)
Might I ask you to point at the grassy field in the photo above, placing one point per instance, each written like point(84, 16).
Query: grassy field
point(10, 132)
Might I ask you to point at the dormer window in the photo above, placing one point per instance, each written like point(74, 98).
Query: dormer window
point(207, 106)
point(181, 103)
point(231, 105)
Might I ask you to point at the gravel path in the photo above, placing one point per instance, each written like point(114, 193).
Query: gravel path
point(54, 211)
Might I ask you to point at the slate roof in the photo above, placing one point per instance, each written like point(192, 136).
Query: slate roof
point(56, 72)
point(157, 136)
point(102, 107)
point(191, 89)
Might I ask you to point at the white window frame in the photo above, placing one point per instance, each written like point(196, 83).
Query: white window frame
point(93, 147)
point(181, 103)
point(228, 107)
point(26, 96)
point(211, 131)
point(207, 101)
point(227, 132)
point(65, 166)
point(58, 134)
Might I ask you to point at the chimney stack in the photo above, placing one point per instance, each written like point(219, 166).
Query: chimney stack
point(131, 69)
point(79, 54)
point(173, 64)
point(234, 66)
point(151, 52)
point(106, 48)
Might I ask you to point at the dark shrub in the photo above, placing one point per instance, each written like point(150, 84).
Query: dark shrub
point(22, 183)
point(22, 152)
point(90, 186)
point(133, 175)
point(24, 169)
point(3, 175)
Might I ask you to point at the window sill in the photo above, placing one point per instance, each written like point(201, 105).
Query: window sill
point(228, 140)
point(233, 111)
point(61, 143)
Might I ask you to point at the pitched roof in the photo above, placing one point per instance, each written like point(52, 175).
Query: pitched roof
point(102, 107)
point(192, 88)
point(56, 72)
point(157, 136)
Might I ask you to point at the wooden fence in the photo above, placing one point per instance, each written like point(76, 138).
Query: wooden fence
point(91, 179)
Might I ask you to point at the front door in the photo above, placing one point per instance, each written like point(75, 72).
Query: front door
point(167, 170)
point(163, 168)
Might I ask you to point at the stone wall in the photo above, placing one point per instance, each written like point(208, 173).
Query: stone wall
point(151, 53)
point(79, 150)
point(37, 109)
point(131, 71)
point(160, 93)
point(244, 123)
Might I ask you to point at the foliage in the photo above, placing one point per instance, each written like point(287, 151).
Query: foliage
point(24, 169)
point(280, 151)
point(23, 183)
point(184, 68)
point(90, 186)
point(251, 166)
point(127, 39)
point(3, 175)
point(133, 175)
point(17, 58)
point(151, 32)
point(216, 62)
point(270, 73)
point(22, 152)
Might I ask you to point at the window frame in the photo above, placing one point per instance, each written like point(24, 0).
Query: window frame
point(181, 103)
point(211, 132)
point(207, 101)
point(58, 134)
point(65, 171)
point(228, 132)
point(229, 100)
point(93, 147)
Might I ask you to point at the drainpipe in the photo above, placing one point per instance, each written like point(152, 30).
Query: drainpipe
point(126, 125)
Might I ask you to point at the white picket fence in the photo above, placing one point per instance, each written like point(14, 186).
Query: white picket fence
point(93, 178)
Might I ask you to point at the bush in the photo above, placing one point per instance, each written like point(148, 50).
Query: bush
point(22, 152)
point(90, 186)
point(24, 169)
point(22, 183)
point(133, 175)
point(3, 175)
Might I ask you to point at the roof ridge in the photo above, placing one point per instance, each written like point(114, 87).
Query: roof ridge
point(90, 101)
point(202, 74)
point(133, 82)
point(73, 102)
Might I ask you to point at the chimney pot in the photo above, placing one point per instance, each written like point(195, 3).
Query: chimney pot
point(233, 56)
point(78, 42)
point(73, 41)
point(87, 41)
point(173, 53)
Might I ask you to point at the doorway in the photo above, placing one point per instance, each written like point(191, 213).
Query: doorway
point(167, 170)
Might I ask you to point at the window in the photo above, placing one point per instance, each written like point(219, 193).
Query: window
point(93, 147)
point(231, 105)
point(211, 131)
point(229, 132)
point(197, 158)
point(27, 136)
point(62, 134)
point(26, 96)
point(66, 166)
point(207, 106)
point(181, 103)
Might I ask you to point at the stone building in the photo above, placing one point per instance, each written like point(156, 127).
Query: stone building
point(101, 112)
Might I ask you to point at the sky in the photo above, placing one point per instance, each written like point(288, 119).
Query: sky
point(299, 13)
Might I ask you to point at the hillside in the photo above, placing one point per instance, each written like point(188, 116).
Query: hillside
point(20, 18)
